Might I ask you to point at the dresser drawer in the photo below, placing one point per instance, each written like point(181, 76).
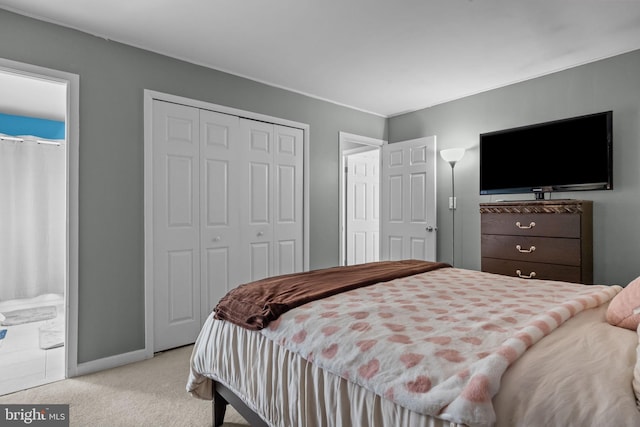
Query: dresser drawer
point(536, 224)
point(565, 273)
point(548, 250)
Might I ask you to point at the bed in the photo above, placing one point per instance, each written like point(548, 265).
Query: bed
point(440, 347)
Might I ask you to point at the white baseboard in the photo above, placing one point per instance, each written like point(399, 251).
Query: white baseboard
point(112, 362)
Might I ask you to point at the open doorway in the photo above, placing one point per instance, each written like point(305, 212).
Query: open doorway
point(35, 226)
point(359, 199)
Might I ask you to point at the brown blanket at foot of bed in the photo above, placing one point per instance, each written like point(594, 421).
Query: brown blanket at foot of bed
point(254, 305)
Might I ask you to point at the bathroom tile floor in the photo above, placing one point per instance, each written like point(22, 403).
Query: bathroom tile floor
point(23, 364)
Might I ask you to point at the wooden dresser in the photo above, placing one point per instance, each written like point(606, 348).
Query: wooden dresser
point(542, 239)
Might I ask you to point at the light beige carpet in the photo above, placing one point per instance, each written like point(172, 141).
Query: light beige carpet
point(148, 393)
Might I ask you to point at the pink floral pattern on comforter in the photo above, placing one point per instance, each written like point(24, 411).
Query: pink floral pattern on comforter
point(436, 343)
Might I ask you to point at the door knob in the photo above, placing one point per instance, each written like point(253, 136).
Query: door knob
point(260, 233)
point(216, 239)
point(430, 229)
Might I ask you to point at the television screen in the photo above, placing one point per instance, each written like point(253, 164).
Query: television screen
point(564, 155)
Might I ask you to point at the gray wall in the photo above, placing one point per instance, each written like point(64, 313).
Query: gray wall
point(112, 79)
point(610, 84)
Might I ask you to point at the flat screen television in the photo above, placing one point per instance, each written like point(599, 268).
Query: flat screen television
point(571, 154)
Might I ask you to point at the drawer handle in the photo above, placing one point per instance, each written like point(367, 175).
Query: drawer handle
point(525, 251)
point(525, 227)
point(530, 276)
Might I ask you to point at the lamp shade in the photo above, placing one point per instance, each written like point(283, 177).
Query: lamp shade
point(452, 155)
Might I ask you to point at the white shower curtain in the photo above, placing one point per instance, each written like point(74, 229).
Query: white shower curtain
point(32, 219)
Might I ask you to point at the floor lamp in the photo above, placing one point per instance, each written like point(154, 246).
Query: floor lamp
point(453, 156)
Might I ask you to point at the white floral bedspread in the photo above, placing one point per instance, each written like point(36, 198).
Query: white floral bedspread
point(436, 343)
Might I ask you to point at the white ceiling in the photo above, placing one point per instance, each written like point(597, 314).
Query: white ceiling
point(382, 56)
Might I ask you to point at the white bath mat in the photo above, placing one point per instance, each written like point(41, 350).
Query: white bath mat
point(51, 335)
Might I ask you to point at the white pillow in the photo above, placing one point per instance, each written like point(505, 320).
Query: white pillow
point(624, 308)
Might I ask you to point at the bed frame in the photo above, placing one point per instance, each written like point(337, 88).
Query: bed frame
point(223, 396)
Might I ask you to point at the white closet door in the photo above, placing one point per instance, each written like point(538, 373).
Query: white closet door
point(220, 184)
point(176, 224)
point(256, 213)
point(271, 213)
point(228, 209)
point(288, 200)
point(408, 195)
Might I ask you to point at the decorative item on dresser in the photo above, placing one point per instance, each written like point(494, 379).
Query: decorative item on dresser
point(542, 239)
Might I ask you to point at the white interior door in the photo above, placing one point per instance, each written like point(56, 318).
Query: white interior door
point(288, 204)
point(409, 200)
point(272, 204)
point(176, 224)
point(256, 214)
point(220, 184)
point(362, 207)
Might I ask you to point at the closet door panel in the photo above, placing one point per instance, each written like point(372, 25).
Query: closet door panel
point(181, 287)
point(217, 276)
point(288, 199)
point(179, 184)
point(220, 186)
point(260, 260)
point(286, 256)
point(176, 225)
point(256, 213)
point(216, 181)
point(259, 194)
point(286, 194)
